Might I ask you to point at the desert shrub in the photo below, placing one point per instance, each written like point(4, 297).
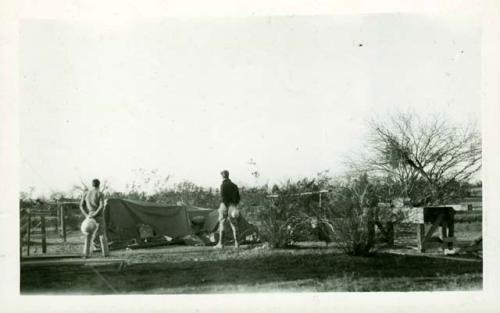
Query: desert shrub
point(253, 196)
point(303, 229)
point(253, 200)
point(274, 222)
point(279, 216)
point(350, 232)
point(348, 214)
point(287, 216)
point(185, 192)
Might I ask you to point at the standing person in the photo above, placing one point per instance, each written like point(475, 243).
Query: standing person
point(93, 200)
point(228, 209)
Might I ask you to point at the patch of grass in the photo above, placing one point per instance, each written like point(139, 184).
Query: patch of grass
point(188, 269)
point(203, 270)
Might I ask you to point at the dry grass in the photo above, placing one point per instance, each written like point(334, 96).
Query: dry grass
point(182, 269)
point(309, 267)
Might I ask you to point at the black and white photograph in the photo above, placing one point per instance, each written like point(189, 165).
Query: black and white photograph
point(251, 154)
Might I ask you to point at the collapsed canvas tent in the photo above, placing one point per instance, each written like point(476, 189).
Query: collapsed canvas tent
point(124, 219)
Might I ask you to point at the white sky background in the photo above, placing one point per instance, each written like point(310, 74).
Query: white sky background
point(191, 96)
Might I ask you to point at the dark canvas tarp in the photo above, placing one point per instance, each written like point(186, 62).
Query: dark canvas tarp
point(198, 217)
point(124, 216)
point(197, 212)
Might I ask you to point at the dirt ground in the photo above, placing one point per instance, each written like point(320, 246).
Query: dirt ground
point(308, 267)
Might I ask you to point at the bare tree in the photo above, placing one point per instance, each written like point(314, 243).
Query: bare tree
point(426, 157)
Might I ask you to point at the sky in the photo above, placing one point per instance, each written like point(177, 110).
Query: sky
point(287, 96)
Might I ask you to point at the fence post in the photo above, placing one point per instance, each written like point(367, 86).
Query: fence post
point(63, 224)
point(451, 230)
point(389, 227)
point(371, 232)
point(57, 217)
point(29, 233)
point(421, 237)
point(44, 234)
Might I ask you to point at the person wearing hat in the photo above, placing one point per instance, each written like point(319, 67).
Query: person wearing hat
point(228, 209)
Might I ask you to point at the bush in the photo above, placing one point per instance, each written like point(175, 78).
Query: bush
point(347, 215)
point(274, 225)
point(279, 216)
point(351, 232)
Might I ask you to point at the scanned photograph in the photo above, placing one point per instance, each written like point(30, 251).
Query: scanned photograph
point(216, 155)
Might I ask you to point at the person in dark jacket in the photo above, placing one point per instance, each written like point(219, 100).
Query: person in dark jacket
point(228, 209)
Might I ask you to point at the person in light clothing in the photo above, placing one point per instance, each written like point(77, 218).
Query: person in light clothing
point(92, 207)
point(228, 209)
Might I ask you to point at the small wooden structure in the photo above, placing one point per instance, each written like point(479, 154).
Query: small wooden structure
point(429, 219)
point(435, 217)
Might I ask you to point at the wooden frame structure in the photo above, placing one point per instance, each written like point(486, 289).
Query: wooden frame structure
point(442, 217)
point(307, 193)
point(43, 213)
point(32, 215)
point(427, 221)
